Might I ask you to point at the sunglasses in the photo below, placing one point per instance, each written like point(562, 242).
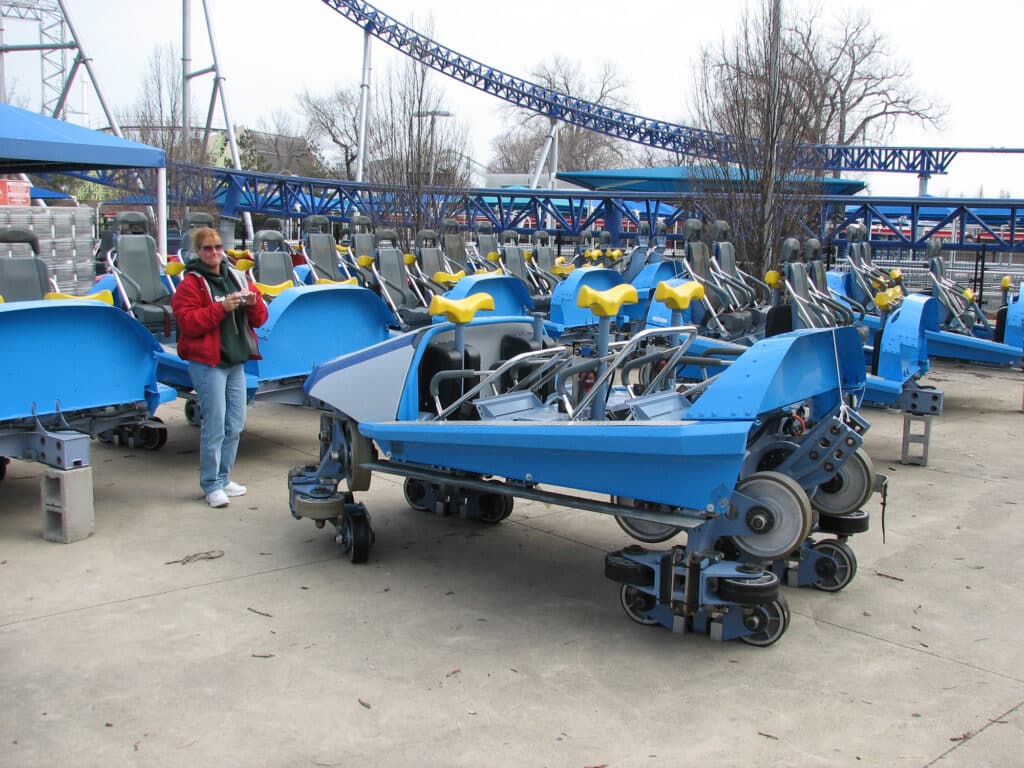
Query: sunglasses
point(214, 247)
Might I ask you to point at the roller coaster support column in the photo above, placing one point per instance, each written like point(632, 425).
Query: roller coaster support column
point(922, 184)
point(613, 221)
point(364, 104)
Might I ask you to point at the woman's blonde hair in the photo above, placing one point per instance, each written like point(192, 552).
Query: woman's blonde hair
point(202, 236)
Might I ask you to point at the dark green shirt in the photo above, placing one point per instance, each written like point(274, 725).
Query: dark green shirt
point(234, 348)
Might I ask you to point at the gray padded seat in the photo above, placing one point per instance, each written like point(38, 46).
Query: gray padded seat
point(23, 278)
point(453, 244)
point(322, 252)
point(391, 266)
point(141, 277)
point(273, 267)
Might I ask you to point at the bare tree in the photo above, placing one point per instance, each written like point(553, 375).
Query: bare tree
point(855, 88)
point(827, 88)
point(579, 148)
point(332, 121)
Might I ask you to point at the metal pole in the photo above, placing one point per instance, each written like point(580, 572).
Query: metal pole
point(161, 212)
point(186, 78)
point(218, 87)
point(542, 158)
point(3, 59)
point(364, 105)
point(769, 168)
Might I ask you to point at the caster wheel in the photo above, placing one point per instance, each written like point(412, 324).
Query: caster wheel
point(626, 571)
point(495, 507)
point(646, 531)
point(636, 604)
point(759, 590)
point(767, 622)
point(415, 491)
point(836, 576)
point(192, 413)
point(357, 537)
point(152, 438)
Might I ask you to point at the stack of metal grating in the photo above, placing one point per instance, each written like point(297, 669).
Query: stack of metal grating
point(67, 242)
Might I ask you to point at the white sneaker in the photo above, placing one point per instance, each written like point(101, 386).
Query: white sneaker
point(217, 498)
point(231, 488)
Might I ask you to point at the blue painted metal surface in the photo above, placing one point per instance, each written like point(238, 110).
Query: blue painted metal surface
point(78, 353)
point(305, 326)
point(564, 311)
point(511, 299)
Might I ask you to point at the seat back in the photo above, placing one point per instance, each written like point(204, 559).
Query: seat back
point(321, 250)
point(273, 267)
point(453, 244)
point(486, 240)
point(23, 278)
point(391, 266)
point(136, 258)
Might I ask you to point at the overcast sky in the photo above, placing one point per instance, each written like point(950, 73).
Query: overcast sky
point(966, 55)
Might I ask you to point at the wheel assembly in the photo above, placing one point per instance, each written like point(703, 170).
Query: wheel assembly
point(192, 412)
point(356, 537)
point(767, 623)
point(494, 507)
point(359, 453)
point(153, 438)
point(849, 490)
point(415, 491)
point(780, 519)
point(636, 603)
point(759, 590)
point(647, 531)
point(838, 568)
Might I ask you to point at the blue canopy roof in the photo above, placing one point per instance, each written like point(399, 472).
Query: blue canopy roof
point(687, 180)
point(31, 143)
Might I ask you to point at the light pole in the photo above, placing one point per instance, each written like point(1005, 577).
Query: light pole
point(433, 114)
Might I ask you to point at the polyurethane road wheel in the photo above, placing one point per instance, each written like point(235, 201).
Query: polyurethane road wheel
point(781, 518)
point(359, 453)
point(849, 490)
point(646, 531)
point(769, 622)
point(846, 565)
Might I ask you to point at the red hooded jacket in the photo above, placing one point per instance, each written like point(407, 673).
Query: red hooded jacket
point(199, 317)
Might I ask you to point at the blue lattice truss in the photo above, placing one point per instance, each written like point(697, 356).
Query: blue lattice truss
point(894, 223)
point(681, 139)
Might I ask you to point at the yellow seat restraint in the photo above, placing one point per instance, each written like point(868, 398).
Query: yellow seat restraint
point(448, 278)
point(678, 297)
point(606, 303)
point(460, 311)
point(105, 297)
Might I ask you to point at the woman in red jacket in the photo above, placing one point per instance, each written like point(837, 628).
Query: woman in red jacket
point(216, 308)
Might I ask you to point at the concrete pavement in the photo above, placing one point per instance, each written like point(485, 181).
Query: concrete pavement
point(463, 644)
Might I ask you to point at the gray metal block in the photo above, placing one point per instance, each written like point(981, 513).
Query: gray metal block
point(67, 503)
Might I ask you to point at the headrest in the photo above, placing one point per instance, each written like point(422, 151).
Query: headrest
point(720, 231)
point(316, 224)
point(790, 249)
point(692, 230)
point(20, 235)
point(812, 248)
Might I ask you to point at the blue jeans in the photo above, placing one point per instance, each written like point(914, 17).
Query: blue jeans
point(222, 405)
